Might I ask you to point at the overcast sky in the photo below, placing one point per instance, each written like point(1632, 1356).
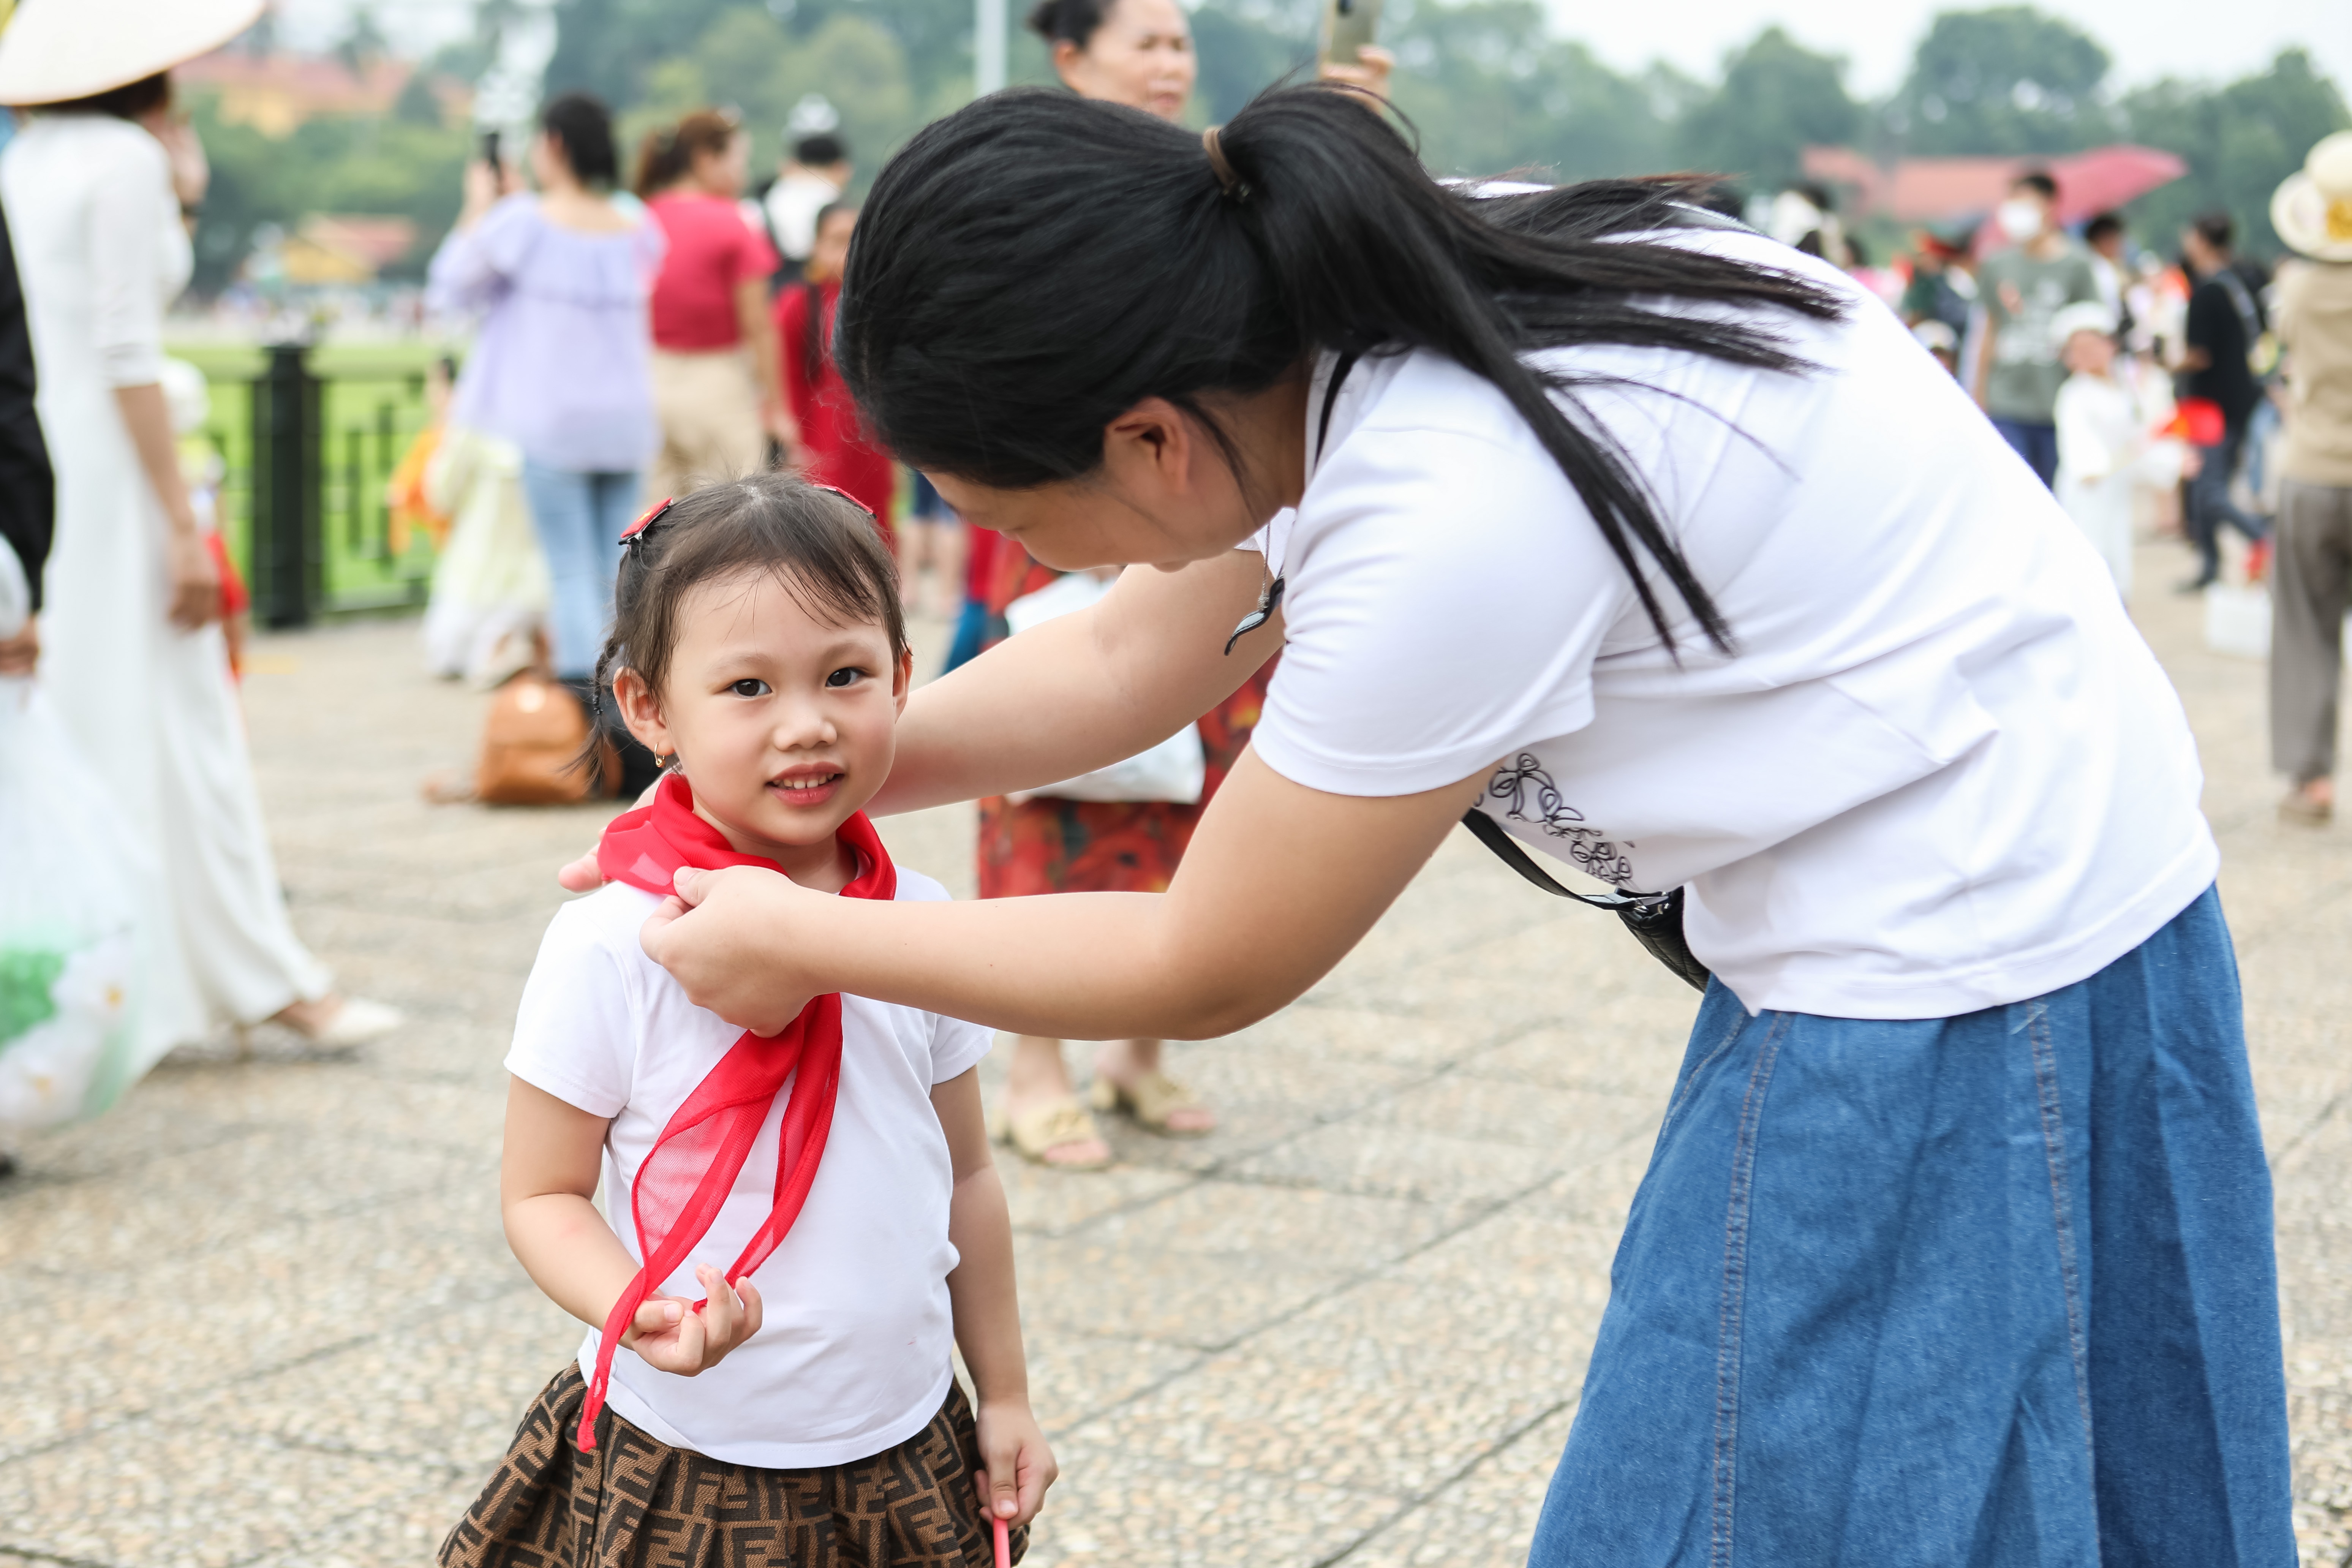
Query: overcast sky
point(2147, 38)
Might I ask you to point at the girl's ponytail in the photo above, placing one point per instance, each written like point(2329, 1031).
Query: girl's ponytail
point(1033, 265)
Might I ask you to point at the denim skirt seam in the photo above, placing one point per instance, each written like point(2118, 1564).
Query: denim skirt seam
point(1735, 1283)
point(2050, 1106)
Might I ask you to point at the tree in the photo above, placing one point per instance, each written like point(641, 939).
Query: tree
point(1777, 97)
point(1242, 52)
point(606, 47)
point(2006, 81)
point(2239, 142)
point(749, 61)
point(1490, 93)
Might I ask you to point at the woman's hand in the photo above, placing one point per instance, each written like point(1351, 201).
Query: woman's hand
point(1016, 1466)
point(21, 654)
point(1373, 67)
point(195, 578)
point(671, 1336)
point(725, 938)
point(485, 185)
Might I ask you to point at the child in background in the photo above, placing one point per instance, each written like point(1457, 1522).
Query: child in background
point(834, 449)
point(491, 588)
point(758, 645)
point(408, 509)
point(2107, 443)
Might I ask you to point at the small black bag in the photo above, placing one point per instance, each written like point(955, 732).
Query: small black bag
point(1654, 919)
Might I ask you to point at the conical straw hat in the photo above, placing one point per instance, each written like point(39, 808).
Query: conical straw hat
point(54, 50)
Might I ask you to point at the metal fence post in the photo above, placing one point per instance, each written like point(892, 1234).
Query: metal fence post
point(288, 431)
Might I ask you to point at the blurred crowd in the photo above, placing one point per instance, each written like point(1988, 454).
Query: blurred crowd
point(2146, 386)
point(2165, 386)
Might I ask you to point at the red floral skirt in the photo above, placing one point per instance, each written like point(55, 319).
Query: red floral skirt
point(1049, 846)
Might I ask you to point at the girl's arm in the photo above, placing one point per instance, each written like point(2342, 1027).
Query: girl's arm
point(1018, 1465)
point(547, 1190)
point(1279, 883)
point(1082, 690)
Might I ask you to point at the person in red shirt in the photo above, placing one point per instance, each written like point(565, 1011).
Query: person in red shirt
point(834, 449)
point(716, 386)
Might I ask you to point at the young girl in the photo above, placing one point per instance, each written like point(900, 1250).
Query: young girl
point(758, 647)
point(835, 448)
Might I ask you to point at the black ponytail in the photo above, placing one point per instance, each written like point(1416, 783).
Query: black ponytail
point(1035, 264)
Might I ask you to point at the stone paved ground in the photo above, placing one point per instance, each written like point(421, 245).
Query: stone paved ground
point(262, 1313)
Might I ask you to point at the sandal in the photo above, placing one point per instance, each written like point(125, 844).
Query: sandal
point(1055, 1124)
point(1154, 1098)
point(2302, 810)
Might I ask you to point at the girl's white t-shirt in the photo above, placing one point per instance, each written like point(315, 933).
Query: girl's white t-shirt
point(1939, 772)
point(853, 1353)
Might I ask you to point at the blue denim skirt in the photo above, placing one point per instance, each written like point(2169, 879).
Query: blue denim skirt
point(1988, 1291)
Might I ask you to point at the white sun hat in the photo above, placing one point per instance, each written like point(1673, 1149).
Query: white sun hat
point(2083, 316)
point(2311, 208)
point(57, 50)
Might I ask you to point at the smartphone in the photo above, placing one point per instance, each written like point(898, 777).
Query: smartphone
point(490, 149)
point(1348, 27)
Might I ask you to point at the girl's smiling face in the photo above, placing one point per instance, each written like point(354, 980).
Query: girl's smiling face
point(784, 721)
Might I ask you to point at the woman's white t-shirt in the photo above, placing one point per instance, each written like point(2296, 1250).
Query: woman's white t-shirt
point(1940, 770)
point(853, 1355)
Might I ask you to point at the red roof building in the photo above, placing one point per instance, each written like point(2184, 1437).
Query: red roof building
point(1936, 190)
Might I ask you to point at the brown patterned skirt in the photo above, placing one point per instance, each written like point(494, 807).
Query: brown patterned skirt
point(636, 1503)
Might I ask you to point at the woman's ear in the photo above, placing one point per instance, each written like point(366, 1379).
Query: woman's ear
point(641, 712)
point(1149, 450)
point(1066, 56)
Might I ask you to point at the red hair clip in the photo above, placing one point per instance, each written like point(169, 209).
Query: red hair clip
point(837, 491)
point(653, 515)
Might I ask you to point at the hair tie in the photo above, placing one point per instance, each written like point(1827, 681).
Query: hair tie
point(1227, 180)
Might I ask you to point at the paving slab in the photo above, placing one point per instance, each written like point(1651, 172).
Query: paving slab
point(265, 1317)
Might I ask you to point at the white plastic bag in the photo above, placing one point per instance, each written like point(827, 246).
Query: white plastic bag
point(2238, 619)
point(70, 977)
point(1174, 770)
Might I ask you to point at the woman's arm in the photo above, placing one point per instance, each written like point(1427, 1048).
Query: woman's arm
point(1012, 1450)
point(547, 1190)
point(461, 276)
point(1279, 883)
point(1084, 691)
point(195, 578)
point(758, 325)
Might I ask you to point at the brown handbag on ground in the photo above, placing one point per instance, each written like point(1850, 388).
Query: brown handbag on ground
point(533, 744)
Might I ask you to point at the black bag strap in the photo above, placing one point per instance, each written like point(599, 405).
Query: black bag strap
point(1339, 369)
point(1489, 832)
point(1653, 919)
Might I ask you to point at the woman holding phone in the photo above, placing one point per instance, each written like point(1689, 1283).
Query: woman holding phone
point(1665, 550)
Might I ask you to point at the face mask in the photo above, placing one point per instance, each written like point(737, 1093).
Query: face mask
point(2021, 220)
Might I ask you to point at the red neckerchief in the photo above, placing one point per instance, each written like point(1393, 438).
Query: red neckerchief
point(692, 1166)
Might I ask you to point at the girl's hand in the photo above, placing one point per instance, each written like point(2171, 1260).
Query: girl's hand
point(726, 937)
point(673, 1337)
point(1016, 1466)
